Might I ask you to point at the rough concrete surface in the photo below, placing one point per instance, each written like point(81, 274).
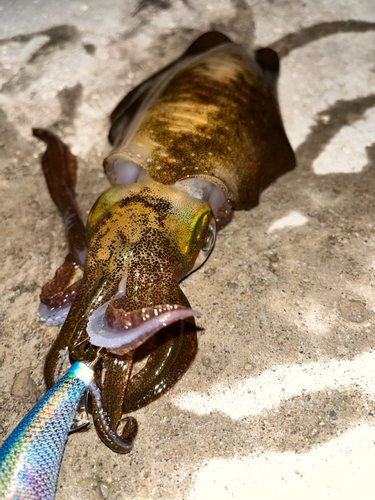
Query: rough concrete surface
point(280, 399)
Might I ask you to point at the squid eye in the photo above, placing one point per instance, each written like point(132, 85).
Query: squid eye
point(208, 245)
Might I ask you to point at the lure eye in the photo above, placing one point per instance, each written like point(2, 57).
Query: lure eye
point(208, 245)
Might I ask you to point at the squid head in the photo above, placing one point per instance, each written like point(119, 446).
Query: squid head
point(142, 240)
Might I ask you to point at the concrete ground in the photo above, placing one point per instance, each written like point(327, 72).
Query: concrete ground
point(280, 399)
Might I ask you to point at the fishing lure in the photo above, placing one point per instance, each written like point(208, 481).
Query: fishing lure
point(196, 140)
point(31, 456)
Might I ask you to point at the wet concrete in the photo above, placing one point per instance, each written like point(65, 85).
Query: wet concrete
point(289, 286)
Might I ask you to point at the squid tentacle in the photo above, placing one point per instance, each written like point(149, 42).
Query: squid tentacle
point(60, 171)
point(103, 424)
point(117, 375)
point(167, 363)
point(132, 329)
point(174, 350)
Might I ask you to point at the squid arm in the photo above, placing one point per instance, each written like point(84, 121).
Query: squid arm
point(60, 170)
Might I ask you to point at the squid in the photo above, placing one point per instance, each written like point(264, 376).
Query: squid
point(195, 141)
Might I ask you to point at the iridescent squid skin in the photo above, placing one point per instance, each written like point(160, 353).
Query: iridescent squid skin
point(31, 456)
point(200, 138)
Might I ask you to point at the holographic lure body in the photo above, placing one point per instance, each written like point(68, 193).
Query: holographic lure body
point(30, 458)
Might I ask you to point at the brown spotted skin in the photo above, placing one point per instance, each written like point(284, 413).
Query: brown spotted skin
point(212, 114)
point(60, 171)
point(151, 234)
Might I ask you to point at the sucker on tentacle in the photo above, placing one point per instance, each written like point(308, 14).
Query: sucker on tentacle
point(198, 139)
